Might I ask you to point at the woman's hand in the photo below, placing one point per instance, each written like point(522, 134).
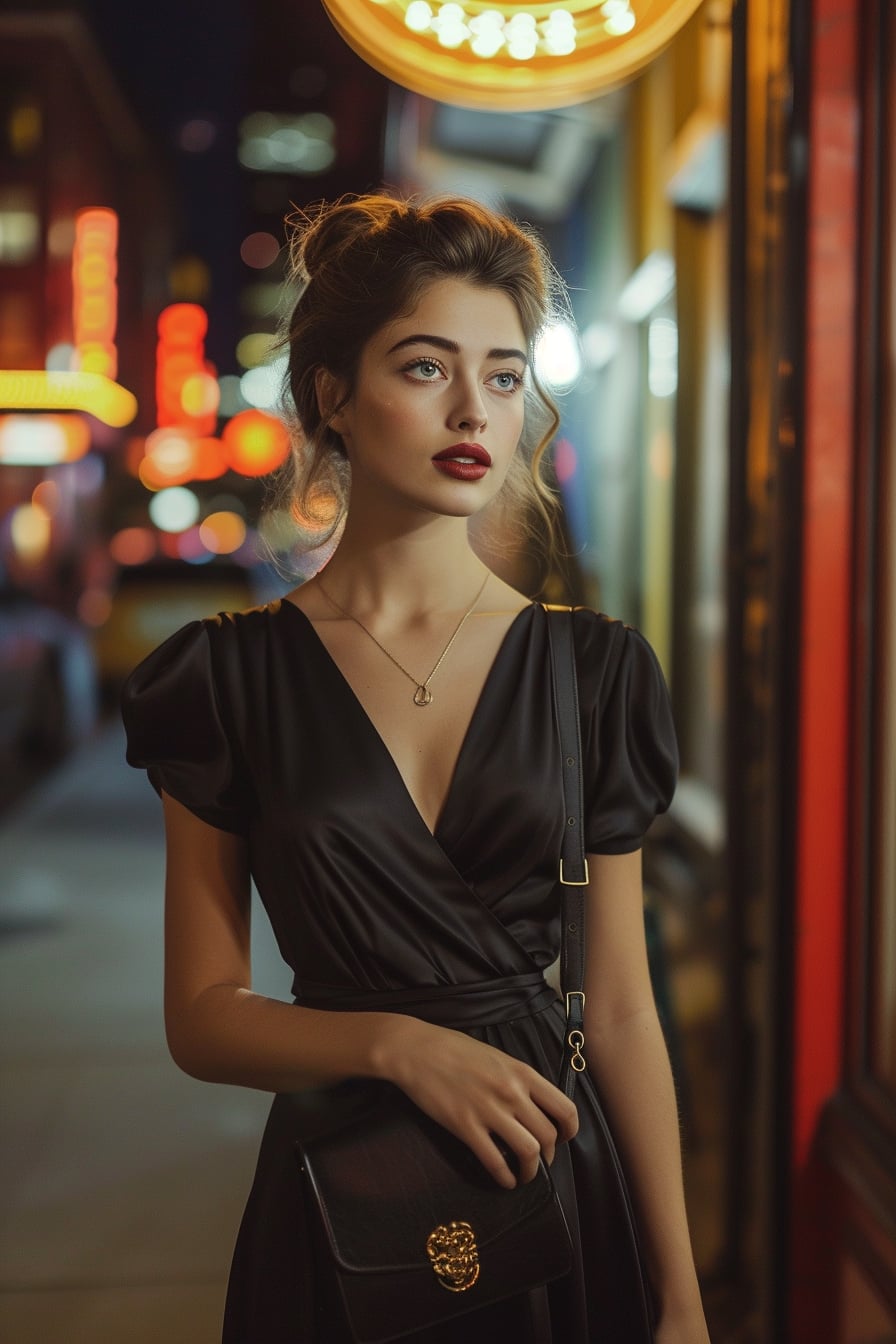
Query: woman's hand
point(483, 1096)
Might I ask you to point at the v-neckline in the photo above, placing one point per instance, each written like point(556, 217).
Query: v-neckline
point(468, 734)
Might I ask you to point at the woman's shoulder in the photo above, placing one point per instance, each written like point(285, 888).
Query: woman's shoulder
point(614, 658)
point(601, 636)
point(204, 651)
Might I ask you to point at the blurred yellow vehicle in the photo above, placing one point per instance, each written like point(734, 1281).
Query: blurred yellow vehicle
point(152, 601)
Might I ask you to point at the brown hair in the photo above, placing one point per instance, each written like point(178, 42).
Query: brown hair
point(365, 260)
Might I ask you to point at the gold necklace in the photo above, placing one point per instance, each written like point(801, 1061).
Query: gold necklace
point(422, 693)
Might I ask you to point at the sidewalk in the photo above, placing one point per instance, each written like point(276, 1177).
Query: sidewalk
point(122, 1180)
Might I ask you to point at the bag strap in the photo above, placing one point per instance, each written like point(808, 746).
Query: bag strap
point(573, 864)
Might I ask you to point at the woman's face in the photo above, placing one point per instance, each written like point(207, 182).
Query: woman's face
point(437, 410)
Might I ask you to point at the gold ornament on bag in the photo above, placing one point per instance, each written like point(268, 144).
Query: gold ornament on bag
point(455, 1256)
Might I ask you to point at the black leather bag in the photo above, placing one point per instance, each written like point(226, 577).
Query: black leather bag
point(414, 1229)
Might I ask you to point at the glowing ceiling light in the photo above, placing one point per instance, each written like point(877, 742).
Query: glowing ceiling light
point(513, 56)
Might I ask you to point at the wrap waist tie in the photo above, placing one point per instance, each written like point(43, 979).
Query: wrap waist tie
point(483, 1004)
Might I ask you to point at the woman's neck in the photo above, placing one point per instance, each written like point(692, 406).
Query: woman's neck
point(428, 569)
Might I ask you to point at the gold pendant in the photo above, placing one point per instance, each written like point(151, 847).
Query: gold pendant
point(422, 696)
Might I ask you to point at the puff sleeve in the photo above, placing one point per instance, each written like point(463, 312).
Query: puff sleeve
point(630, 754)
point(178, 730)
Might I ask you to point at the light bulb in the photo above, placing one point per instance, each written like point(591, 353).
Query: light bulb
point(620, 24)
point(522, 47)
point(418, 16)
point(487, 43)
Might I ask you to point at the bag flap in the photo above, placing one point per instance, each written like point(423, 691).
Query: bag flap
point(386, 1176)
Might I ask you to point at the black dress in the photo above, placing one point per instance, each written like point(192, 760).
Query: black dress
point(247, 721)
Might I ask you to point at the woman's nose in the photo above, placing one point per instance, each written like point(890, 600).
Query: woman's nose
point(468, 412)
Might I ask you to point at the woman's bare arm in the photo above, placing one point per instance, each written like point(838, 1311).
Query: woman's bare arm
point(627, 1056)
point(220, 1031)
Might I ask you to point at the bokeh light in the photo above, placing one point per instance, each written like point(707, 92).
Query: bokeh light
point(190, 547)
point(170, 458)
point(565, 461)
point(94, 607)
point(223, 532)
point(262, 386)
point(197, 135)
point(132, 546)
point(255, 348)
point(256, 443)
point(42, 440)
point(272, 143)
point(30, 532)
point(260, 250)
point(200, 395)
point(61, 238)
point(174, 509)
point(47, 496)
point(189, 280)
point(60, 358)
point(231, 400)
point(211, 459)
point(558, 358)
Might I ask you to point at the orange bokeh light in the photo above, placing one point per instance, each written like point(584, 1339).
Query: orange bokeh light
point(223, 532)
point(94, 607)
point(132, 546)
point(200, 395)
point(211, 459)
point(256, 443)
point(95, 291)
point(180, 359)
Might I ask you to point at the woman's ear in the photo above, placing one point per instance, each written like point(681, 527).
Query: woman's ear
point(331, 392)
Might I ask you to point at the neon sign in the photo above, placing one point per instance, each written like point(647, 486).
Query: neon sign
point(95, 291)
point(181, 365)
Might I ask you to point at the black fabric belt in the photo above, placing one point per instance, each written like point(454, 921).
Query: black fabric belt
point(485, 1003)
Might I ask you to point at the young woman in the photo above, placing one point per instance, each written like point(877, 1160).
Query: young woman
point(378, 752)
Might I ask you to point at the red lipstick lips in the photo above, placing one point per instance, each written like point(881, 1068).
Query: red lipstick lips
point(463, 461)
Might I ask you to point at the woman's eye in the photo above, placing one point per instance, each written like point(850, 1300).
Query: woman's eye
point(428, 369)
point(508, 381)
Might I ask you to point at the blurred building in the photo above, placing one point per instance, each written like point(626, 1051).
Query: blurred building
point(70, 144)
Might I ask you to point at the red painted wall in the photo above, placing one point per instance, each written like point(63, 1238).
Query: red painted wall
point(825, 648)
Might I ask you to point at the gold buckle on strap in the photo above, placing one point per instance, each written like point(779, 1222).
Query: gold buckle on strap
point(568, 883)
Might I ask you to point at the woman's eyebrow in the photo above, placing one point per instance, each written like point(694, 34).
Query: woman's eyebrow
point(452, 347)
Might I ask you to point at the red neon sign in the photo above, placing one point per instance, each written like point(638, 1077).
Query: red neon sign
point(95, 291)
point(180, 356)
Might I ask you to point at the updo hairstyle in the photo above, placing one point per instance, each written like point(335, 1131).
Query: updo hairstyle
point(364, 261)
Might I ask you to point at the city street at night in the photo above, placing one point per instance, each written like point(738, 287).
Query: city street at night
point(347, 346)
point(123, 1179)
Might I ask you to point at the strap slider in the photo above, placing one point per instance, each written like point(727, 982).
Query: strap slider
point(568, 882)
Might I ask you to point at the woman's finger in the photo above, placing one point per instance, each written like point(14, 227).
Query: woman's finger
point(558, 1107)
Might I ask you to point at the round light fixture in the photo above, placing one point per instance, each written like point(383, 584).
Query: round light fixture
point(509, 57)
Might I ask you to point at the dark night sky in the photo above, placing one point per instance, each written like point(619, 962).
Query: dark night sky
point(178, 60)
